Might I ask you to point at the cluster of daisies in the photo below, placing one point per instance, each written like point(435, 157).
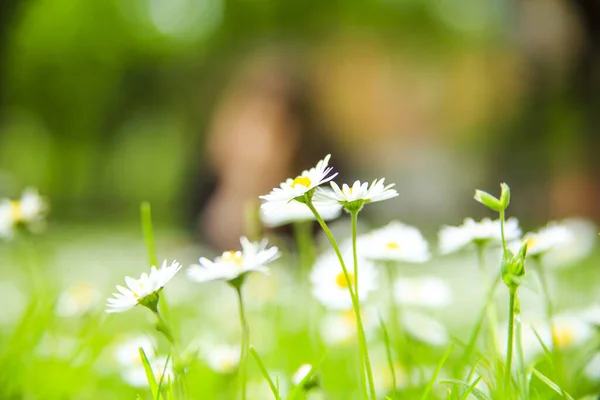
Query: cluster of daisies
point(354, 294)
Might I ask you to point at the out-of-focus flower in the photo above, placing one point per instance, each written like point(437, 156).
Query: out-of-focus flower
point(547, 238)
point(136, 375)
point(360, 193)
point(339, 327)
point(29, 211)
point(585, 236)
point(454, 238)
point(424, 328)
point(592, 368)
point(329, 284)
point(570, 330)
point(77, 300)
point(126, 352)
point(233, 264)
point(283, 213)
point(223, 359)
point(144, 290)
point(394, 242)
point(427, 291)
point(301, 373)
point(297, 187)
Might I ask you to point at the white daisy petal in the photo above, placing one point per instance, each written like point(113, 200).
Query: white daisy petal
point(395, 242)
point(232, 264)
point(141, 288)
point(454, 238)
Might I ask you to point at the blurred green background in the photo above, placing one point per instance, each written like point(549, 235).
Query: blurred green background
point(199, 106)
point(107, 103)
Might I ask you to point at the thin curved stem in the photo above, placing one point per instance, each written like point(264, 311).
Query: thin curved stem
point(245, 342)
point(509, 343)
point(362, 342)
point(354, 218)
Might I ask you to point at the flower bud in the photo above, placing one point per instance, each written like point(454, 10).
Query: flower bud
point(488, 200)
point(504, 196)
point(513, 267)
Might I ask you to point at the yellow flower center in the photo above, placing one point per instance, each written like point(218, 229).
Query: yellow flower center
point(340, 280)
point(302, 180)
point(233, 256)
point(393, 246)
point(16, 212)
point(563, 336)
point(532, 242)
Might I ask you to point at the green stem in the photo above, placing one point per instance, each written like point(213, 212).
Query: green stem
point(354, 219)
point(162, 327)
point(304, 244)
point(560, 371)
point(521, 358)
point(245, 342)
point(146, 214)
point(490, 309)
point(509, 343)
point(362, 342)
point(478, 325)
point(504, 248)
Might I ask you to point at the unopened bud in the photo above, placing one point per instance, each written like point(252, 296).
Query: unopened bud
point(488, 200)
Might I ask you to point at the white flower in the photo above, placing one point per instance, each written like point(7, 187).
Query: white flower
point(426, 291)
point(231, 264)
point(139, 289)
point(547, 238)
point(454, 238)
point(301, 373)
point(282, 213)
point(161, 366)
point(569, 253)
point(223, 359)
point(361, 191)
point(570, 330)
point(424, 328)
point(127, 352)
point(338, 327)
point(329, 284)
point(592, 368)
point(29, 210)
point(395, 242)
point(293, 188)
point(77, 300)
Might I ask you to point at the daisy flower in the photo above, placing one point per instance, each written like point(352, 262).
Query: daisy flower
point(353, 197)
point(28, 211)
point(294, 188)
point(424, 328)
point(283, 213)
point(454, 238)
point(136, 375)
point(428, 291)
point(395, 242)
point(144, 290)
point(77, 300)
point(233, 264)
point(547, 238)
point(223, 359)
point(338, 327)
point(329, 284)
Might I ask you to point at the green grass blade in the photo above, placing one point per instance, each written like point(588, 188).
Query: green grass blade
point(468, 388)
point(551, 384)
point(263, 370)
point(437, 372)
point(162, 376)
point(388, 350)
point(146, 214)
point(149, 375)
point(308, 376)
